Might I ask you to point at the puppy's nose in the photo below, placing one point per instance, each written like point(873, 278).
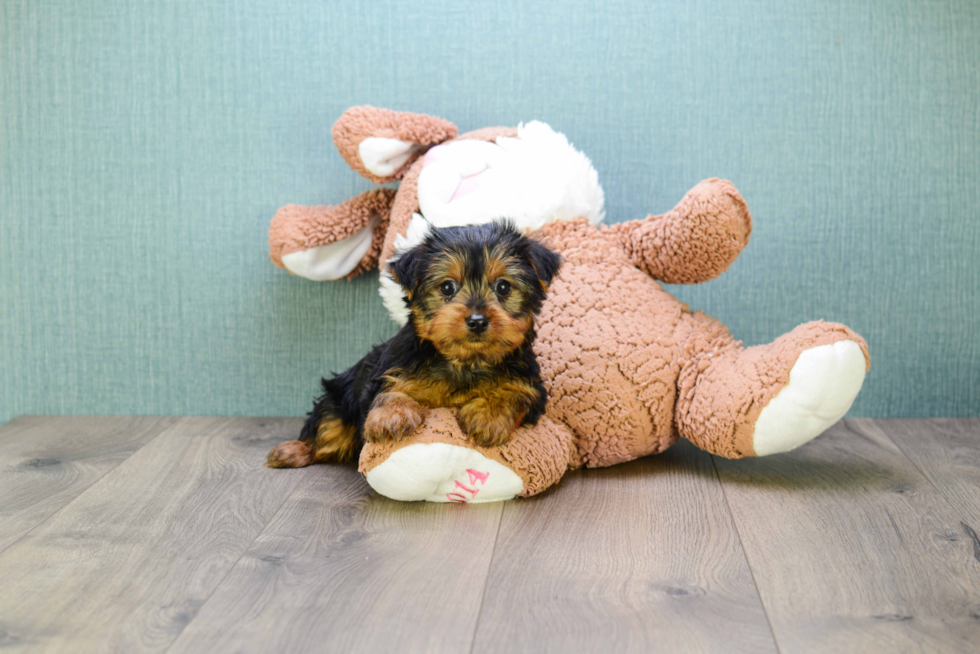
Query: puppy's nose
point(477, 323)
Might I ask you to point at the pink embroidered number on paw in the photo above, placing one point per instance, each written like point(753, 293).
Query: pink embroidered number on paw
point(460, 496)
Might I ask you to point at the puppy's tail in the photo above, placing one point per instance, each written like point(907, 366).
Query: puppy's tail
point(325, 436)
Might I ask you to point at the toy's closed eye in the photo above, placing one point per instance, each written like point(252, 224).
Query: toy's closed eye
point(448, 288)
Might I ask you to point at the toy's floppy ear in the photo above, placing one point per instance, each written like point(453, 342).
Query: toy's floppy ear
point(545, 262)
point(322, 243)
point(380, 144)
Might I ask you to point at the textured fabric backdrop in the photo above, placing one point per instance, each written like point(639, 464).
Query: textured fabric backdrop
point(145, 145)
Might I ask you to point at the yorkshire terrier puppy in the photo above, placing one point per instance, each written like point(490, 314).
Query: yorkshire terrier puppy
point(473, 293)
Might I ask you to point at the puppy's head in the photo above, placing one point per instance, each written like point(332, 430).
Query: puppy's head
point(473, 291)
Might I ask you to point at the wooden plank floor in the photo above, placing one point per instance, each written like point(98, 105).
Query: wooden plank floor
point(169, 535)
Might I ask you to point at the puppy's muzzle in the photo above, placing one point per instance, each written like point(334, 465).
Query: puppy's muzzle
point(477, 323)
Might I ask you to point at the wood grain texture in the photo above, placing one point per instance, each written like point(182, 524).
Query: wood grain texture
point(46, 462)
point(188, 545)
point(342, 569)
point(947, 452)
point(636, 558)
point(853, 549)
point(128, 563)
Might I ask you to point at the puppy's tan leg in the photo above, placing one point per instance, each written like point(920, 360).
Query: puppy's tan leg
point(393, 415)
point(335, 441)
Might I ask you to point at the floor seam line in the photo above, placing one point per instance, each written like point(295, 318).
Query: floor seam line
point(486, 581)
point(238, 560)
point(745, 553)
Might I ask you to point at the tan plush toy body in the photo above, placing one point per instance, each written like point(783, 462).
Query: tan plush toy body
point(629, 369)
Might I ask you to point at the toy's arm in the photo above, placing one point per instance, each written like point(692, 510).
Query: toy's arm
point(381, 144)
point(326, 243)
point(693, 242)
point(438, 463)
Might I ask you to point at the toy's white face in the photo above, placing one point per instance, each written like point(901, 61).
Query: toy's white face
point(533, 179)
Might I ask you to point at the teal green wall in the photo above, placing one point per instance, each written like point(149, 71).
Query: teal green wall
point(144, 146)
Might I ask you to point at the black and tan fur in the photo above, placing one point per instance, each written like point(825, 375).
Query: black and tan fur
point(473, 293)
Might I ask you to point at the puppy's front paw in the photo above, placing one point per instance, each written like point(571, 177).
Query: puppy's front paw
point(290, 454)
point(392, 416)
point(487, 425)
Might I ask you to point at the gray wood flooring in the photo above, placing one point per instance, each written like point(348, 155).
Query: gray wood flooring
point(169, 535)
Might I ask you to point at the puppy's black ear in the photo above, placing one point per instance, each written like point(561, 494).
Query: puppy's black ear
point(405, 270)
point(545, 262)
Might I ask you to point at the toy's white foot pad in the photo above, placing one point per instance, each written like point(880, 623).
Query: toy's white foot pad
point(440, 472)
point(822, 386)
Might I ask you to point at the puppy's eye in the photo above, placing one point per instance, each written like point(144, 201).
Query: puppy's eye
point(502, 288)
point(447, 288)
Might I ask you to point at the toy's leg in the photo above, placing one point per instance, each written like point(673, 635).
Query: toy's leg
point(439, 464)
point(326, 243)
point(693, 242)
point(737, 402)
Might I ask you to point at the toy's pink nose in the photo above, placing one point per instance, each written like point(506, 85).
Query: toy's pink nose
point(467, 185)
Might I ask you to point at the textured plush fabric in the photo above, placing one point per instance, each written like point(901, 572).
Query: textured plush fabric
point(295, 227)
point(145, 145)
point(682, 248)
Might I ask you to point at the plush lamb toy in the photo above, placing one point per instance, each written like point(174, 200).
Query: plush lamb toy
point(629, 369)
